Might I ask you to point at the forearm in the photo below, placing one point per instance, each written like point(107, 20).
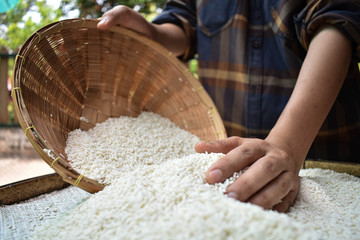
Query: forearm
point(319, 82)
point(170, 36)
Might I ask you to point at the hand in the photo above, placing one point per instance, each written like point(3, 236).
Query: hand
point(128, 18)
point(272, 179)
point(169, 35)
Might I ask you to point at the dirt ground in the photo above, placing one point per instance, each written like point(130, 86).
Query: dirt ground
point(18, 159)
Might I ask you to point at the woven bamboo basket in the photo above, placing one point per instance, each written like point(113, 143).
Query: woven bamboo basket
point(70, 75)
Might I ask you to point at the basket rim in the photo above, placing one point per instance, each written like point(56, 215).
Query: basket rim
point(57, 162)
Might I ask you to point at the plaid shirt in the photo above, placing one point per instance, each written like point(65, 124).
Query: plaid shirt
point(250, 54)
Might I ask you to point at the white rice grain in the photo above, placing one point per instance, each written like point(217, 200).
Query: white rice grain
point(156, 189)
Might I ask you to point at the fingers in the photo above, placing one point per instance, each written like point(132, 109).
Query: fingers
point(125, 17)
point(275, 189)
point(274, 193)
point(118, 15)
point(260, 174)
point(104, 24)
point(289, 199)
point(222, 146)
point(235, 160)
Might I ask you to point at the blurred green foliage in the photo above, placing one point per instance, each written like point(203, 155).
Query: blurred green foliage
point(96, 8)
point(11, 111)
point(193, 66)
point(16, 27)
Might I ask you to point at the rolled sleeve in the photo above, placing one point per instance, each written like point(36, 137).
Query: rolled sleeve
point(343, 14)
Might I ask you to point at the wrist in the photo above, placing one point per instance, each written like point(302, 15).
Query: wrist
point(295, 149)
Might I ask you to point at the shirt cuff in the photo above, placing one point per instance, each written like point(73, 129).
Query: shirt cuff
point(345, 16)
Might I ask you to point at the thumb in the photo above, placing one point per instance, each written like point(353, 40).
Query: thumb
point(104, 23)
point(119, 15)
point(222, 146)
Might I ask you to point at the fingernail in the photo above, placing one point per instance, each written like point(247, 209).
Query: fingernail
point(103, 21)
point(232, 195)
point(216, 175)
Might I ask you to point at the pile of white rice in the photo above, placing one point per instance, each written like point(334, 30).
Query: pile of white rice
point(156, 189)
